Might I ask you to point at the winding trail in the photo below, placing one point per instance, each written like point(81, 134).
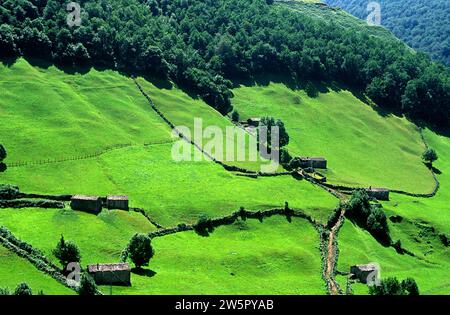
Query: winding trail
point(331, 258)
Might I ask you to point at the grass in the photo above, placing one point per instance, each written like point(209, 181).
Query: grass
point(248, 257)
point(359, 247)
point(430, 210)
point(172, 192)
point(182, 110)
point(100, 239)
point(61, 115)
point(15, 270)
point(363, 148)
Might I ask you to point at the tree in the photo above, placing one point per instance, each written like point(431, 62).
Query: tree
point(140, 250)
point(285, 156)
point(391, 286)
point(429, 155)
point(410, 286)
point(66, 252)
point(235, 116)
point(23, 289)
point(87, 285)
point(2, 153)
point(268, 123)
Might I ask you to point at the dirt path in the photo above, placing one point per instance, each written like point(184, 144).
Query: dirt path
point(330, 265)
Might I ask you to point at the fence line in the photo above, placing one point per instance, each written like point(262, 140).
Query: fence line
point(82, 157)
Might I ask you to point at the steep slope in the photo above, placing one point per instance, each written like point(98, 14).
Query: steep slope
point(424, 25)
point(363, 148)
point(48, 114)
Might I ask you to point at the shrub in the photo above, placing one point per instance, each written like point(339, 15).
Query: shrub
point(368, 216)
point(334, 217)
point(410, 286)
point(140, 250)
point(5, 291)
point(429, 155)
point(285, 157)
point(87, 285)
point(2, 153)
point(9, 192)
point(235, 116)
point(391, 286)
point(66, 252)
point(23, 289)
point(203, 225)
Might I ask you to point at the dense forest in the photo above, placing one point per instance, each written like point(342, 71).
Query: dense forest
point(203, 45)
point(424, 25)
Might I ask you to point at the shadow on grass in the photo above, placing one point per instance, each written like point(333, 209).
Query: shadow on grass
point(159, 82)
point(312, 87)
point(143, 272)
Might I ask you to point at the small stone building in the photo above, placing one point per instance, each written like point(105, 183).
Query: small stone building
point(117, 202)
point(111, 274)
point(314, 162)
point(362, 272)
point(378, 193)
point(90, 204)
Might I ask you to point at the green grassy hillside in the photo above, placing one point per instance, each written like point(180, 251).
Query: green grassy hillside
point(172, 192)
point(15, 270)
point(359, 247)
point(60, 115)
point(248, 257)
point(363, 148)
point(100, 238)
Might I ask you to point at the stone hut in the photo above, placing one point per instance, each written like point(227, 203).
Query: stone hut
point(111, 274)
point(90, 204)
point(117, 202)
point(314, 162)
point(378, 193)
point(362, 272)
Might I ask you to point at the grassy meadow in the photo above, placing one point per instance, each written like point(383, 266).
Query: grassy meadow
point(61, 115)
point(362, 147)
point(172, 192)
point(15, 270)
point(248, 257)
point(100, 239)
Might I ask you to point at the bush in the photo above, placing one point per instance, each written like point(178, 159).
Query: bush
point(334, 217)
point(429, 155)
point(368, 216)
point(391, 286)
point(204, 224)
point(5, 291)
point(23, 289)
point(285, 157)
point(66, 252)
point(9, 192)
point(87, 285)
point(235, 116)
point(410, 286)
point(140, 250)
point(2, 153)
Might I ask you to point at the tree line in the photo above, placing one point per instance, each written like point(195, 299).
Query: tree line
point(204, 45)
